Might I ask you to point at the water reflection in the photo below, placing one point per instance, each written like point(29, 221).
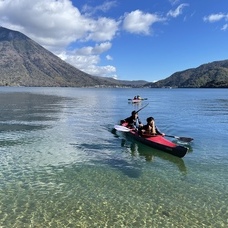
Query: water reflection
point(102, 154)
point(129, 169)
point(150, 154)
point(138, 149)
point(7, 127)
point(23, 113)
point(28, 107)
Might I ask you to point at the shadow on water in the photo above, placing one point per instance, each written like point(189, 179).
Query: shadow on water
point(98, 156)
point(130, 169)
point(141, 150)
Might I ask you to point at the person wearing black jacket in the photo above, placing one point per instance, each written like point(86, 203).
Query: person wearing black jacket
point(132, 121)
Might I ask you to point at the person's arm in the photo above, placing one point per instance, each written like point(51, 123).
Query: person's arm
point(146, 131)
point(140, 124)
point(126, 120)
point(139, 121)
point(159, 132)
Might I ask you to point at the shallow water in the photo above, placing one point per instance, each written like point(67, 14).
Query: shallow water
point(62, 165)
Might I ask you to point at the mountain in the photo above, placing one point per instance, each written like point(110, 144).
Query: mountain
point(23, 62)
point(210, 75)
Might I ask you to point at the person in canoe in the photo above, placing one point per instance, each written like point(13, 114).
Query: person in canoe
point(137, 98)
point(150, 128)
point(132, 121)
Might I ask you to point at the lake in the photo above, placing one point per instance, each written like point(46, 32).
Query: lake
point(62, 165)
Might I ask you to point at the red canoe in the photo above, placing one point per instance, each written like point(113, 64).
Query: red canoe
point(160, 142)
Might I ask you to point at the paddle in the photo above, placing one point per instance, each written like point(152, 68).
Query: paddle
point(121, 128)
point(184, 139)
point(142, 108)
point(142, 99)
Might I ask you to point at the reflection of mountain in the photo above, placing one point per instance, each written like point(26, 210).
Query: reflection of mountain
point(23, 113)
point(138, 149)
point(21, 127)
point(28, 107)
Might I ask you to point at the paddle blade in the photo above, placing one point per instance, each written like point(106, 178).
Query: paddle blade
point(121, 128)
point(185, 139)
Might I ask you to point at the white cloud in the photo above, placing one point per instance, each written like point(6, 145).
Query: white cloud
point(104, 71)
point(77, 37)
point(106, 6)
point(87, 59)
point(140, 22)
point(96, 50)
point(102, 29)
point(178, 11)
point(108, 57)
point(215, 17)
point(225, 27)
point(45, 20)
point(174, 2)
point(57, 25)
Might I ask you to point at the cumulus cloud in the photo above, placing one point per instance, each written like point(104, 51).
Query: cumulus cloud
point(177, 11)
point(87, 59)
point(45, 20)
point(77, 36)
point(59, 26)
point(140, 22)
point(86, 63)
point(102, 29)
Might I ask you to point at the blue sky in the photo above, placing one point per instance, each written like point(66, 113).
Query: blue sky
point(125, 39)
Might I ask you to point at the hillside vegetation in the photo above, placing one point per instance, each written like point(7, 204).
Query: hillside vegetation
point(211, 75)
